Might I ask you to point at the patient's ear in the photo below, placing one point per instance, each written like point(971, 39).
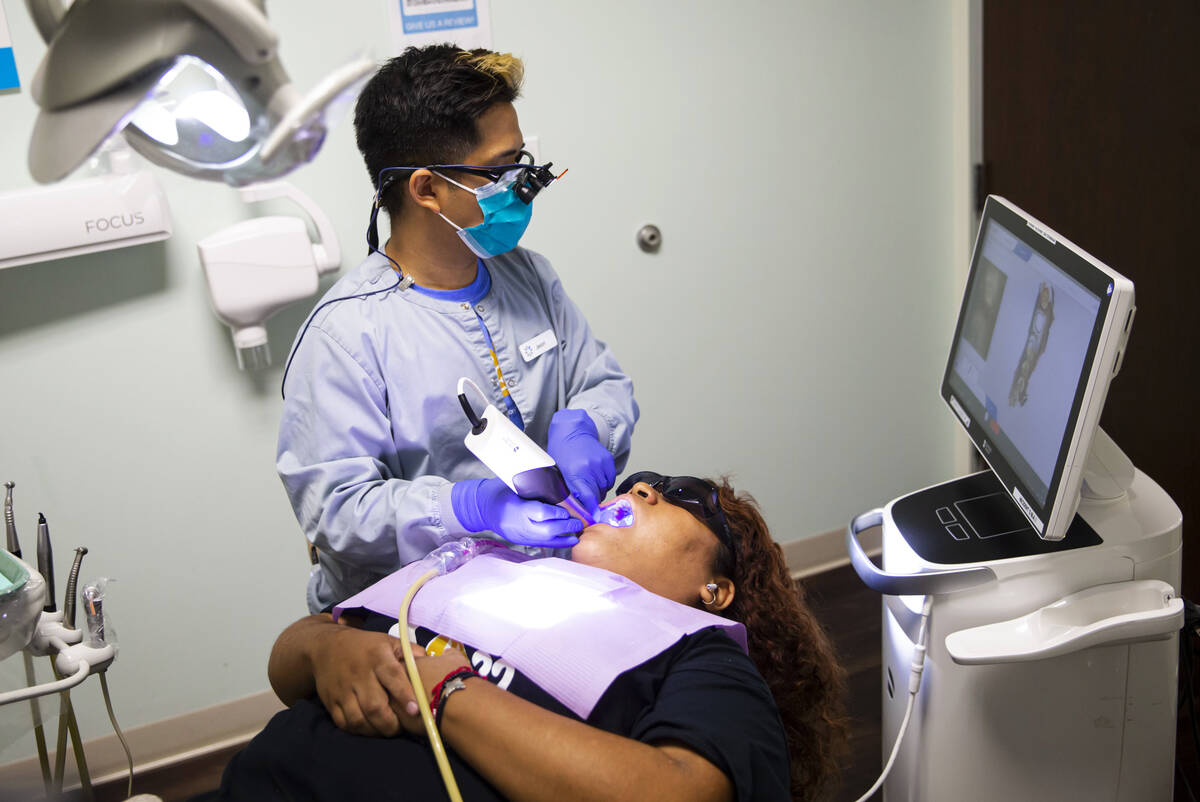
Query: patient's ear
point(721, 598)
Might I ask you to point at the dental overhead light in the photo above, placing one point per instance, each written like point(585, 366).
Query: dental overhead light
point(193, 85)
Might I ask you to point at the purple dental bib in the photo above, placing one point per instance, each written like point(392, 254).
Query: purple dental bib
point(570, 628)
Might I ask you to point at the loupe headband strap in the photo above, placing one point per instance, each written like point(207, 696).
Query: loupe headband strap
point(533, 178)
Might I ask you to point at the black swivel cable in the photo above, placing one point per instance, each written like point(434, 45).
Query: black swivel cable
point(403, 282)
point(400, 279)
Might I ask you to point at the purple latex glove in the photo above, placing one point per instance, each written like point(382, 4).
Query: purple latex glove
point(489, 504)
point(586, 465)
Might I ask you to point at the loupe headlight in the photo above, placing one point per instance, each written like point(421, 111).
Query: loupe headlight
point(532, 180)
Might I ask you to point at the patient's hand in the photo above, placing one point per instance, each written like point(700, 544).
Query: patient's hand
point(361, 680)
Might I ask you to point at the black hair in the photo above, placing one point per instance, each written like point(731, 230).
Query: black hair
point(421, 108)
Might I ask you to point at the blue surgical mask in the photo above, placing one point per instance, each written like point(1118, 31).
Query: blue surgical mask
point(505, 216)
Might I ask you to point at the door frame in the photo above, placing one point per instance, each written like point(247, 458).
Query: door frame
point(966, 29)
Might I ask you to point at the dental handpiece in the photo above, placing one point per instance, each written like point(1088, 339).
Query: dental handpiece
point(45, 562)
point(72, 583)
point(10, 525)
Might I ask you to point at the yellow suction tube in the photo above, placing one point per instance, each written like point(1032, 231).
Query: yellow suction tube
point(414, 676)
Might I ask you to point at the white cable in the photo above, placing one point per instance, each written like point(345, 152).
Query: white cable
point(21, 694)
point(117, 730)
point(914, 684)
point(895, 751)
point(462, 389)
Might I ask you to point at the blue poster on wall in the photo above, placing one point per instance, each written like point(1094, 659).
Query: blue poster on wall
point(466, 23)
point(8, 65)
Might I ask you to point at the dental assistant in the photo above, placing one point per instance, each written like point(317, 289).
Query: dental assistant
point(371, 446)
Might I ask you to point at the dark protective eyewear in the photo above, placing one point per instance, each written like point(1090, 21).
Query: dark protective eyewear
point(697, 496)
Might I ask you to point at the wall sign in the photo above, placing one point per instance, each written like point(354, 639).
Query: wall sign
point(8, 65)
point(466, 23)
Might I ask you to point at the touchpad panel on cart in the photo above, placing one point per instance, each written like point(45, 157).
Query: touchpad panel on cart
point(992, 515)
point(972, 520)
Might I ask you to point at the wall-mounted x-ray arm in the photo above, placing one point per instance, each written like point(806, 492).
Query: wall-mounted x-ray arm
point(257, 267)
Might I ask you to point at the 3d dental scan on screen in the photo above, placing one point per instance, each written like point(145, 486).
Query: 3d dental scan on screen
point(1042, 332)
point(1039, 598)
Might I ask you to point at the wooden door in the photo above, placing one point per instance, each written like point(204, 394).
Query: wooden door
point(1091, 122)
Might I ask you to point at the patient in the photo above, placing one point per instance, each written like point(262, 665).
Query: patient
point(697, 722)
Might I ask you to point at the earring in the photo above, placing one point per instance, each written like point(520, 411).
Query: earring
point(711, 588)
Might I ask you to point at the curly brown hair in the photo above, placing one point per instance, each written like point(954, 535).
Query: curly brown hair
point(786, 643)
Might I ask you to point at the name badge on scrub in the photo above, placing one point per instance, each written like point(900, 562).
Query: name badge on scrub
point(533, 348)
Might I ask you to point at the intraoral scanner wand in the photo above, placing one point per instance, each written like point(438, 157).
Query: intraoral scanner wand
point(518, 461)
point(572, 505)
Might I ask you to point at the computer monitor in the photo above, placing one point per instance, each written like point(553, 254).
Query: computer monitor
point(1041, 333)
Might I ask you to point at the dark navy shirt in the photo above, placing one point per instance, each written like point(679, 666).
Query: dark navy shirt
point(703, 692)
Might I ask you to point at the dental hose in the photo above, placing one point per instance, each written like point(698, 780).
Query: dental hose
point(442, 560)
point(414, 677)
point(120, 735)
point(68, 724)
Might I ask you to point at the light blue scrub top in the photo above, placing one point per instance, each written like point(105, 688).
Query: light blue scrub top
point(372, 432)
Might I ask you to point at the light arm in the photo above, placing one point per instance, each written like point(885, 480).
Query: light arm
point(321, 95)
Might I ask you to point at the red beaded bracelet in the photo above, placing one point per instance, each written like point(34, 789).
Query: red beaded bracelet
point(438, 695)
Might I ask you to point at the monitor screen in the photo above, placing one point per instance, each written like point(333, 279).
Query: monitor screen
point(1034, 317)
